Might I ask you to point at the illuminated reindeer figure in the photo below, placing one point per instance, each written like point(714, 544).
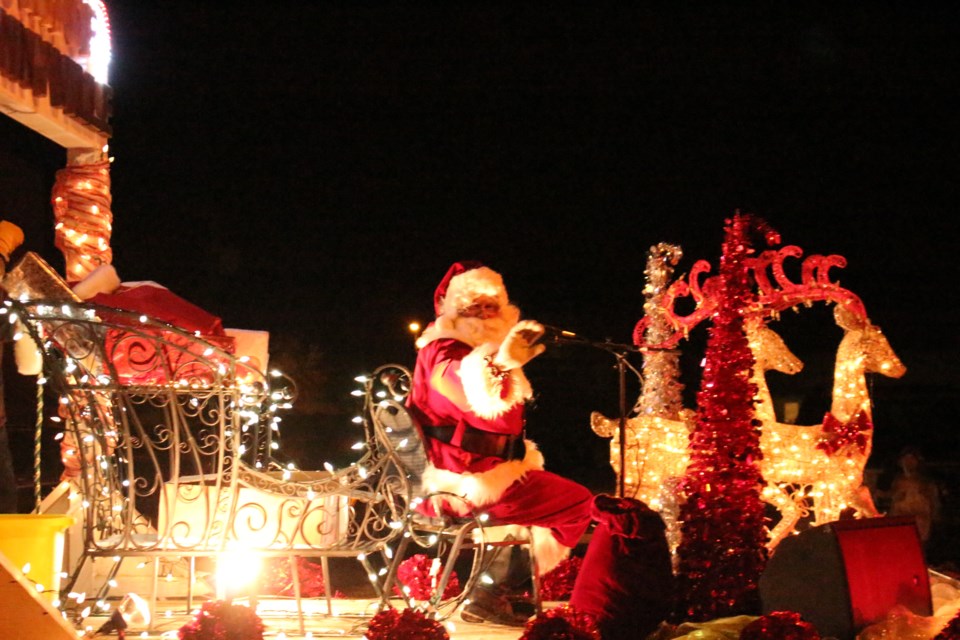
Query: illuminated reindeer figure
point(655, 460)
point(819, 468)
point(815, 468)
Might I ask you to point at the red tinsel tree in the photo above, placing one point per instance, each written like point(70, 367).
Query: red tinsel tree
point(722, 552)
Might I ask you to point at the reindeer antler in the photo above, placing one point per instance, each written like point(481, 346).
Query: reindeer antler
point(775, 290)
point(705, 300)
point(815, 284)
point(704, 292)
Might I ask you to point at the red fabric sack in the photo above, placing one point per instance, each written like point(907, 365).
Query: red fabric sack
point(162, 304)
point(626, 580)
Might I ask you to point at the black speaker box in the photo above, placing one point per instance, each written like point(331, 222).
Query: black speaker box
point(845, 575)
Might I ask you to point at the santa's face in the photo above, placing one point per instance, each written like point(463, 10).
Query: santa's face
point(483, 320)
point(484, 307)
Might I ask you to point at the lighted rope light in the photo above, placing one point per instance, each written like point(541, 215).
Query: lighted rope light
point(84, 221)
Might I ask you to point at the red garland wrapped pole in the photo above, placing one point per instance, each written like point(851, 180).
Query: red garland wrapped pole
point(722, 552)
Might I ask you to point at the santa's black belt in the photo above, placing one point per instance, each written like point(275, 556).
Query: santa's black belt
point(481, 443)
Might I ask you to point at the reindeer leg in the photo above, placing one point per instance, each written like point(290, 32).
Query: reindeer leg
point(790, 513)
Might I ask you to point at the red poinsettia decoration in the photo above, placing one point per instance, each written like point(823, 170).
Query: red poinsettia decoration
point(780, 625)
point(839, 435)
point(220, 620)
point(420, 573)
point(951, 631)
point(558, 584)
point(410, 624)
point(562, 623)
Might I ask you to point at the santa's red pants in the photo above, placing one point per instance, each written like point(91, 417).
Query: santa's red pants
point(544, 499)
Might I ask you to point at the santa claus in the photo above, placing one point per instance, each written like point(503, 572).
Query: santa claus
point(469, 395)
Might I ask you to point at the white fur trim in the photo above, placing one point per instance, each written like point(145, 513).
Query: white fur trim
point(485, 487)
point(489, 390)
point(502, 532)
point(548, 550)
point(466, 287)
point(103, 279)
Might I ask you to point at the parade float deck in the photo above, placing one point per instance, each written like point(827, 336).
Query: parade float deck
point(280, 620)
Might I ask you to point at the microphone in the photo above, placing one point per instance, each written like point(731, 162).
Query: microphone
point(558, 335)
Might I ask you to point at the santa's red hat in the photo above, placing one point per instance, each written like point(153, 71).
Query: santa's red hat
point(463, 283)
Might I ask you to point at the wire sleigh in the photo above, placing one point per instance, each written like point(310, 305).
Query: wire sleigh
point(169, 444)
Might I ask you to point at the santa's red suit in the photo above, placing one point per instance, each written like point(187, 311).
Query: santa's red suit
point(469, 393)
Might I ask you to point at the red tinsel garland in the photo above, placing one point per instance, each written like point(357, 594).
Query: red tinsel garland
point(220, 620)
point(951, 631)
point(411, 624)
point(562, 623)
point(558, 584)
point(419, 575)
point(780, 625)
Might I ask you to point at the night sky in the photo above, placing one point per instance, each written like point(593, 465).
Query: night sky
point(312, 169)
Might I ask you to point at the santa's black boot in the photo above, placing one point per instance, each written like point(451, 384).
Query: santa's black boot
point(517, 586)
point(493, 602)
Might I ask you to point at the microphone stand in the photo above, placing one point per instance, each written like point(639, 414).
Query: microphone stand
point(619, 351)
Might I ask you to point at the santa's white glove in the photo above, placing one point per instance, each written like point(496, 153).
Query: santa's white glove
point(519, 347)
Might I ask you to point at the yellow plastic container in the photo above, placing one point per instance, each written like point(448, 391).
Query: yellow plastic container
point(36, 539)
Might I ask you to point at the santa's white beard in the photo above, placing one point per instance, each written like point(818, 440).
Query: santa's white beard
point(473, 331)
point(477, 331)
